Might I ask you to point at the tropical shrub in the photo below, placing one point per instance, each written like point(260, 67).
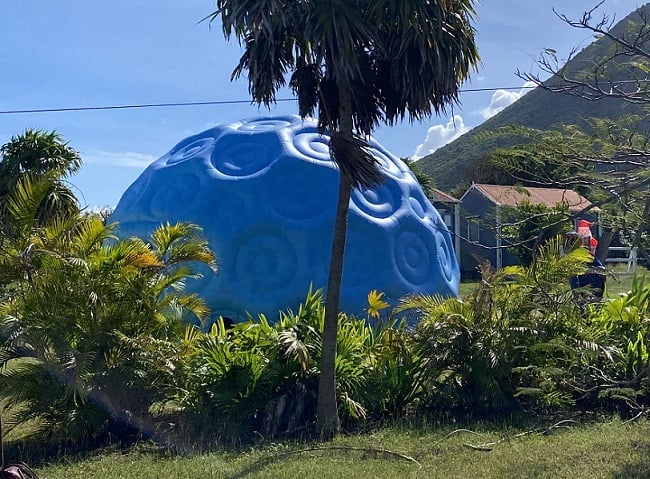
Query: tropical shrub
point(254, 378)
point(620, 378)
point(392, 385)
point(83, 316)
point(257, 379)
point(511, 344)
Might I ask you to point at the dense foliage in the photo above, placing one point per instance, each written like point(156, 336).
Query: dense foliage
point(82, 314)
point(96, 340)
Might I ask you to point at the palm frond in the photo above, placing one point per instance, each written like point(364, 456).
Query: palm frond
point(355, 161)
point(26, 198)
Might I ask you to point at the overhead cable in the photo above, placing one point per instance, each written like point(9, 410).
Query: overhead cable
point(188, 103)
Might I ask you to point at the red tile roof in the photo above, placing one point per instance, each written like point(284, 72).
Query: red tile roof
point(514, 195)
point(443, 197)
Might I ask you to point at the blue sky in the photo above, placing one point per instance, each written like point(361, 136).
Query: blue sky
point(80, 53)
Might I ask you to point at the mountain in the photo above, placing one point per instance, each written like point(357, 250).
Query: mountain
point(452, 165)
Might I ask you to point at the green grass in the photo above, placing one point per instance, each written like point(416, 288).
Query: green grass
point(607, 449)
point(465, 288)
point(617, 282)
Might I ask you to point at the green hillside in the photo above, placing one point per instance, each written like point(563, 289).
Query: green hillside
point(537, 109)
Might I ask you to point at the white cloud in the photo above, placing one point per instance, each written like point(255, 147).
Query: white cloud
point(503, 98)
point(128, 159)
point(440, 135)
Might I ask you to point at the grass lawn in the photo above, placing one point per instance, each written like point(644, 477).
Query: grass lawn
point(618, 281)
point(606, 449)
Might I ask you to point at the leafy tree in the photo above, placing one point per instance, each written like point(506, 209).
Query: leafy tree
point(357, 63)
point(426, 182)
point(527, 227)
point(608, 165)
point(38, 153)
point(610, 159)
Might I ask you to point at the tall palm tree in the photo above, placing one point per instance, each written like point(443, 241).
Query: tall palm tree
point(357, 63)
point(38, 154)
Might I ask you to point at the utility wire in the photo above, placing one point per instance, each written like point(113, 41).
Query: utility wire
point(192, 103)
point(126, 107)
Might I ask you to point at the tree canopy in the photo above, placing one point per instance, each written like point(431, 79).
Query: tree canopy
point(609, 160)
point(38, 154)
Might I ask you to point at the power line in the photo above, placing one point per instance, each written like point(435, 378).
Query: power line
point(191, 103)
point(523, 87)
point(126, 107)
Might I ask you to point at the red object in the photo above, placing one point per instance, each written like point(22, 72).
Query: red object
point(584, 224)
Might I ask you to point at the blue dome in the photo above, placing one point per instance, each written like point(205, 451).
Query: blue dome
point(264, 191)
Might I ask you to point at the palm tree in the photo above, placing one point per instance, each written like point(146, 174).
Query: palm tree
point(357, 63)
point(38, 154)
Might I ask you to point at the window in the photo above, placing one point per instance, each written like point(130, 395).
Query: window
point(473, 229)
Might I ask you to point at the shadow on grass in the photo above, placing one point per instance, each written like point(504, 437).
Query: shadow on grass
point(38, 451)
point(639, 469)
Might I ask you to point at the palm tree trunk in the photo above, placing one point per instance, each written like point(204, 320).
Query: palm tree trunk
point(327, 413)
point(326, 409)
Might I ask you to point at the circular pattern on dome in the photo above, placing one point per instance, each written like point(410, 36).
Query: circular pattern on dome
point(264, 124)
point(446, 256)
point(296, 195)
point(390, 166)
point(378, 202)
point(242, 158)
point(191, 150)
point(265, 262)
point(176, 193)
point(412, 257)
point(313, 146)
point(417, 207)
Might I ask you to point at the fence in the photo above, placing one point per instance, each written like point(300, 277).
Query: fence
point(630, 259)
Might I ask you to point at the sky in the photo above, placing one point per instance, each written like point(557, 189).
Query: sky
point(80, 53)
